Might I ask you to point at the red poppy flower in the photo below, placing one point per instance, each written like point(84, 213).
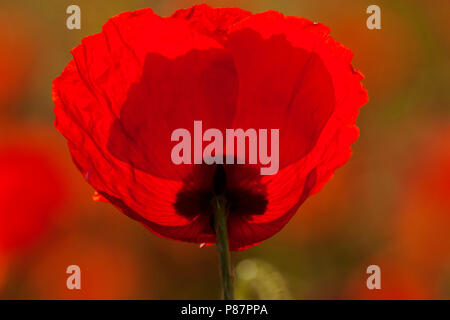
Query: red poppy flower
point(130, 86)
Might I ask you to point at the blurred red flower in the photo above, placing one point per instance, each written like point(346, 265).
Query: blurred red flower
point(31, 192)
point(108, 271)
point(129, 87)
point(423, 222)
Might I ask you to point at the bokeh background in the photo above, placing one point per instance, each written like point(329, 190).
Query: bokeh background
point(389, 206)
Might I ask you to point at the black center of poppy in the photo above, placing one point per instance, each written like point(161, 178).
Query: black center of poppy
point(240, 186)
point(220, 180)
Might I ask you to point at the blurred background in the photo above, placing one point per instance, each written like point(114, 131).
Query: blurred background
point(388, 206)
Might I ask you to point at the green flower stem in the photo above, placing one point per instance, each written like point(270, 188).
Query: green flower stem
point(223, 249)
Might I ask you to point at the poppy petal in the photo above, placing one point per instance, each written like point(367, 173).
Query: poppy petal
point(91, 93)
point(213, 22)
point(307, 167)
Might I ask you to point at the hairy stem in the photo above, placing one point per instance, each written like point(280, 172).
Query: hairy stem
point(220, 221)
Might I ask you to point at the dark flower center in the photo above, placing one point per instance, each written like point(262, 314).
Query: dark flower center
point(244, 197)
point(220, 180)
